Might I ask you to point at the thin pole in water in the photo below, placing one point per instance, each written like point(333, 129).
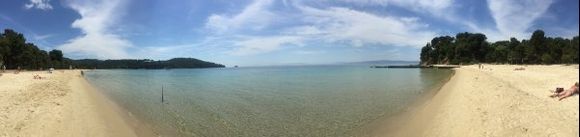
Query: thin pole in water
point(162, 100)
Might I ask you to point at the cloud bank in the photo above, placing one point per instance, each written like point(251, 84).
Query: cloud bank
point(97, 40)
point(333, 25)
point(515, 17)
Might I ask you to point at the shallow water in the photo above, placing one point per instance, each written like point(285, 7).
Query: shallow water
point(314, 101)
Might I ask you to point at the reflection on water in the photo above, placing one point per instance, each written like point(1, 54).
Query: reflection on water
point(317, 101)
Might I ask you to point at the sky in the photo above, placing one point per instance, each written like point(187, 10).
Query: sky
point(274, 32)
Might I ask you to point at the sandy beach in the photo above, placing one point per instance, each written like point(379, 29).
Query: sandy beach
point(497, 101)
point(494, 101)
point(59, 104)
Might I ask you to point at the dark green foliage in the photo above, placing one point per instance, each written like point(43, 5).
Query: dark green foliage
point(515, 52)
point(468, 48)
point(547, 59)
point(443, 49)
point(570, 52)
point(16, 53)
point(426, 53)
point(536, 47)
point(500, 55)
point(55, 55)
point(144, 64)
point(474, 47)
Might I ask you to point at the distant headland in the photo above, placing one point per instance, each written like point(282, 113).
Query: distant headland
point(145, 64)
point(17, 53)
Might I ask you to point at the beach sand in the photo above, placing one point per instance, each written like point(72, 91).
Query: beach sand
point(496, 101)
point(60, 104)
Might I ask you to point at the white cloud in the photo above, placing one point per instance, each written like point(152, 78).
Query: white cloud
point(255, 45)
point(360, 28)
point(428, 6)
point(97, 41)
point(335, 25)
point(303, 30)
point(42, 37)
point(309, 52)
point(514, 17)
point(255, 16)
point(101, 46)
point(38, 4)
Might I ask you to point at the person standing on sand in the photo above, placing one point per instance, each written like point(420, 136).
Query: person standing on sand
point(567, 93)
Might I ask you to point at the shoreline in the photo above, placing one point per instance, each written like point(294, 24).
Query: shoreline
point(495, 101)
point(140, 128)
point(386, 125)
point(62, 103)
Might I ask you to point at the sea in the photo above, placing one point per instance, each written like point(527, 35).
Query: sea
point(281, 101)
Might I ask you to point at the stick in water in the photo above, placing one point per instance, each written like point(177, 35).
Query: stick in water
point(162, 100)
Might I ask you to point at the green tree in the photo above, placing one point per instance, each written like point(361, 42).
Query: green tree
point(4, 49)
point(426, 52)
point(536, 48)
point(473, 48)
point(55, 55)
point(16, 43)
point(15, 52)
point(516, 51)
point(498, 52)
point(547, 59)
point(574, 49)
point(443, 48)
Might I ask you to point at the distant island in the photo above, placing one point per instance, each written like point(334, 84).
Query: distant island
point(471, 48)
point(16, 53)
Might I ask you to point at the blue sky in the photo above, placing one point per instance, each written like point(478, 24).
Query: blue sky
point(274, 32)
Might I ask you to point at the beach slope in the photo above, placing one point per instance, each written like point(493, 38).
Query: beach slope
point(498, 101)
point(59, 104)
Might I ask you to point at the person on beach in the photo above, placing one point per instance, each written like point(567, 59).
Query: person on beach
point(36, 76)
point(566, 93)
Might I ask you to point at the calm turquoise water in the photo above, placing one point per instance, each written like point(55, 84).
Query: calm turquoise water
point(313, 101)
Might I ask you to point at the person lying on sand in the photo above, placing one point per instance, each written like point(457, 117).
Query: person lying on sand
point(566, 93)
point(36, 76)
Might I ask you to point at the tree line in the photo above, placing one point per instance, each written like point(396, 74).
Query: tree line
point(17, 53)
point(144, 64)
point(470, 48)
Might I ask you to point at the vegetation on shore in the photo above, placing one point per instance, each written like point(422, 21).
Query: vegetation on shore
point(469, 48)
point(16, 53)
point(144, 63)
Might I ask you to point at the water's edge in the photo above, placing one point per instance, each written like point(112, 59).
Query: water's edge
point(388, 124)
point(141, 128)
